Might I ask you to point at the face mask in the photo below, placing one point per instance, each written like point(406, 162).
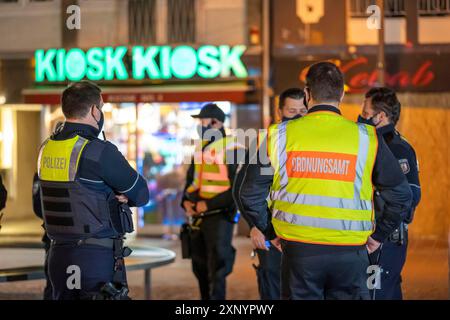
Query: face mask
point(370, 121)
point(100, 122)
point(284, 119)
point(201, 130)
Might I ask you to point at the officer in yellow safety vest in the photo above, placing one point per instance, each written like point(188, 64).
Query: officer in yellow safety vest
point(208, 201)
point(323, 172)
point(85, 186)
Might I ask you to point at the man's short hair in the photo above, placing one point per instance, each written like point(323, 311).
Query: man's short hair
point(293, 93)
point(78, 98)
point(385, 99)
point(325, 82)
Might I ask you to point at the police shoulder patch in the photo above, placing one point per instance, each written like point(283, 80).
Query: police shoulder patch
point(404, 164)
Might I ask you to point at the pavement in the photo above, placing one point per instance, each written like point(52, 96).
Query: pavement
point(425, 274)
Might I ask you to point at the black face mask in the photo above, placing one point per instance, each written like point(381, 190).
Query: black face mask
point(367, 121)
point(284, 119)
point(100, 122)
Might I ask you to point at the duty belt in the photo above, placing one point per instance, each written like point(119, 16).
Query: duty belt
point(104, 242)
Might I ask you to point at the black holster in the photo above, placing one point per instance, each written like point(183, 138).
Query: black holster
point(117, 289)
point(185, 237)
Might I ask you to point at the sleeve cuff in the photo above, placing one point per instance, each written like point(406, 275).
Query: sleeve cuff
point(379, 236)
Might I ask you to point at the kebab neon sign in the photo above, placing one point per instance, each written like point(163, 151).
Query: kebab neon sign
point(155, 62)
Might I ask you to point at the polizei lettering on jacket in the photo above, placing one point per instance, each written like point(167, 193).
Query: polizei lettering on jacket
point(54, 163)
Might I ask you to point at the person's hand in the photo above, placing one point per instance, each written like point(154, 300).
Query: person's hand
point(201, 207)
point(189, 208)
point(276, 243)
point(372, 245)
point(258, 239)
point(122, 198)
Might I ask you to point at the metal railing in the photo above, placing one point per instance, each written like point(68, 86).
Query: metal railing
point(393, 8)
point(433, 7)
point(181, 21)
point(142, 21)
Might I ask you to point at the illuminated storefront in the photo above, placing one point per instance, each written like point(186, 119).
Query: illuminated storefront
point(150, 94)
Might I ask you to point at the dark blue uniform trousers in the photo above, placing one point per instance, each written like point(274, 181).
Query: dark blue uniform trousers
point(96, 264)
point(392, 260)
point(268, 273)
point(332, 276)
point(213, 255)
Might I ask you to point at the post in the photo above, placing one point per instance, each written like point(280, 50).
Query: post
point(381, 55)
point(412, 16)
point(147, 284)
point(265, 121)
point(69, 37)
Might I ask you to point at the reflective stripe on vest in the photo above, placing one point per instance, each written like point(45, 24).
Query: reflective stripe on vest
point(303, 206)
point(211, 175)
point(58, 159)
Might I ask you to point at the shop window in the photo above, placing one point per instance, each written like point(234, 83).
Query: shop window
point(181, 21)
point(157, 140)
point(142, 21)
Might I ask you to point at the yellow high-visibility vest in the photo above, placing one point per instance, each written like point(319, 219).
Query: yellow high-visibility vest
point(211, 171)
point(322, 189)
point(58, 159)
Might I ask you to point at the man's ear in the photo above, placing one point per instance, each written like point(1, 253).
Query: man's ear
point(307, 94)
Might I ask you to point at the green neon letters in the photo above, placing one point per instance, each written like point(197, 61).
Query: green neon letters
point(155, 62)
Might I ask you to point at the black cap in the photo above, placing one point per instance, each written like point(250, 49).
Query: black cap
point(211, 110)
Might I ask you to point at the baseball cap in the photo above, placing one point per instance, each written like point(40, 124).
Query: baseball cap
point(211, 110)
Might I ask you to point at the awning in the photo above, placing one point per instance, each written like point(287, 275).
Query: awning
point(233, 92)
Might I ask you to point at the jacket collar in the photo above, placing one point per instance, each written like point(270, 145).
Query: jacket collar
point(390, 128)
point(71, 129)
point(324, 107)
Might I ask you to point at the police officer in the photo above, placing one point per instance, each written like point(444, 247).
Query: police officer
point(37, 209)
point(291, 106)
point(382, 110)
point(324, 169)
point(86, 186)
point(209, 203)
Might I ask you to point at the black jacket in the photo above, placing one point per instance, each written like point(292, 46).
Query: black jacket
point(387, 177)
point(407, 159)
point(112, 172)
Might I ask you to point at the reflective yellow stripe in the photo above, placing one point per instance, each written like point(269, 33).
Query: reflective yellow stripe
point(314, 235)
point(323, 223)
point(58, 160)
